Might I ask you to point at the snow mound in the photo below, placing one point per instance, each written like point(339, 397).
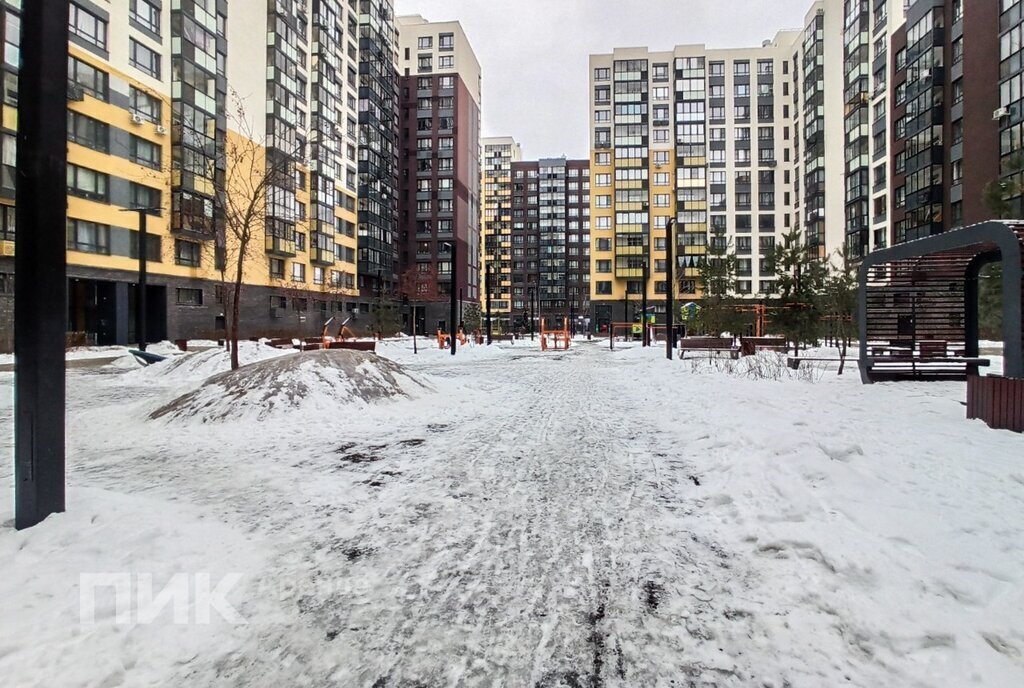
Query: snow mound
point(313, 382)
point(201, 365)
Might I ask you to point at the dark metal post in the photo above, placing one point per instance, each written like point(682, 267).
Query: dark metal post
point(572, 318)
point(487, 300)
point(670, 287)
point(643, 308)
point(40, 313)
point(140, 296)
point(533, 295)
point(462, 319)
point(453, 306)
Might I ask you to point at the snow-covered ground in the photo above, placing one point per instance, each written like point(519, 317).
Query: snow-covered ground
point(580, 518)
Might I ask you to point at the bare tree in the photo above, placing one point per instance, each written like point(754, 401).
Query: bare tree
point(250, 177)
point(418, 286)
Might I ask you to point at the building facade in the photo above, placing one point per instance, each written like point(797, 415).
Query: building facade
point(439, 190)
point(153, 124)
point(702, 135)
point(499, 154)
point(378, 151)
point(550, 243)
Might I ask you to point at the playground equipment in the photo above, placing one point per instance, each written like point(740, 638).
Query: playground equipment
point(444, 341)
point(560, 339)
point(344, 333)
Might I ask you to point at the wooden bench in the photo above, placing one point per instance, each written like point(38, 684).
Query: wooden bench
point(750, 345)
point(902, 366)
point(281, 343)
point(708, 344)
point(354, 346)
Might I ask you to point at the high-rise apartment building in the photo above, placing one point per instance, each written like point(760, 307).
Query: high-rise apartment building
point(1011, 100)
point(496, 224)
point(704, 135)
point(161, 99)
point(439, 191)
point(378, 150)
point(946, 115)
point(550, 242)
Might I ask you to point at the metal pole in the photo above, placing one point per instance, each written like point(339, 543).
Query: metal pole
point(462, 319)
point(533, 296)
point(670, 287)
point(453, 306)
point(643, 314)
point(625, 315)
point(40, 290)
point(487, 299)
point(140, 296)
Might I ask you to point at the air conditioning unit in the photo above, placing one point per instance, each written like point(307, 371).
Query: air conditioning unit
point(136, 118)
point(75, 92)
point(1000, 113)
point(161, 129)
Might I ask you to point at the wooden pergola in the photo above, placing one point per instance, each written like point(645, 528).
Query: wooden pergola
point(918, 304)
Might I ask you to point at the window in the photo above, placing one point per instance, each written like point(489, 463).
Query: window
point(425, 63)
point(716, 69)
point(87, 78)
point(12, 40)
point(88, 237)
point(604, 266)
point(446, 62)
point(765, 67)
point(146, 197)
point(187, 253)
point(425, 43)
point(145, 14)
point(661, 179)
point(298, 272)
point(88, 132)
point(742, 90)
point(604, 288)
point(446, 41)
point(86, 183)
point(189, 297)
point(318, 276)
point(276, 269)
point(741, 112)
point(446, 83)
point(143, 59)
point(88, 26)
point(147, 106)
point(661, 93)
point(660, 72)
point(602, 74)
point(145, 152)
point(741, 68)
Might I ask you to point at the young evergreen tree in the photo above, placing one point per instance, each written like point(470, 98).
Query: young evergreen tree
point(800, 277)
point(717, 272)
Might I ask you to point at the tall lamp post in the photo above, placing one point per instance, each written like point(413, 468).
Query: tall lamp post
point(533, 295)
point(643, 308)
point(487, 300)
point(141, 326)
point(40, 260)
point(670, 287)
point(453, 305)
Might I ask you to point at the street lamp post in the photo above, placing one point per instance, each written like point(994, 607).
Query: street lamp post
point(533, 295)
point(453, 306)
point(670, 287)
point(140, 296)
point(643, 309)
point(487, 300)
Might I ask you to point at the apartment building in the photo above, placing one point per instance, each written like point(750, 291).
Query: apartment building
point(1011, 100)
point(953, 70)
point(439, 188)
point(550, 242)
point(161, 100)
point(499, 154)
point(702, 135)
point(378, 150)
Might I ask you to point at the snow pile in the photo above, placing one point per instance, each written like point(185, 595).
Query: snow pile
point(201, 365)
point(314, 382)
point(401, 350)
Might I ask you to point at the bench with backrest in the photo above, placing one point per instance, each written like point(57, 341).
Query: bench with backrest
point(930, 359)
point(708, 344)
point(750, 345)
point(353, 346)
point(281, 343)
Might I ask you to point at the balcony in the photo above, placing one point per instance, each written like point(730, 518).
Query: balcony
point(321, 256)
point(281, 246)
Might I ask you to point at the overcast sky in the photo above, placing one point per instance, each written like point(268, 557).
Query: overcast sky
point(534, 53)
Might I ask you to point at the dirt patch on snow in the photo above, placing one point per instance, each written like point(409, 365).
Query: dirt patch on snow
point(316, 381)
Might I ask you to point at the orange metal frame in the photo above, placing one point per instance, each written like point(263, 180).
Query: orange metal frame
point(560, 339)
